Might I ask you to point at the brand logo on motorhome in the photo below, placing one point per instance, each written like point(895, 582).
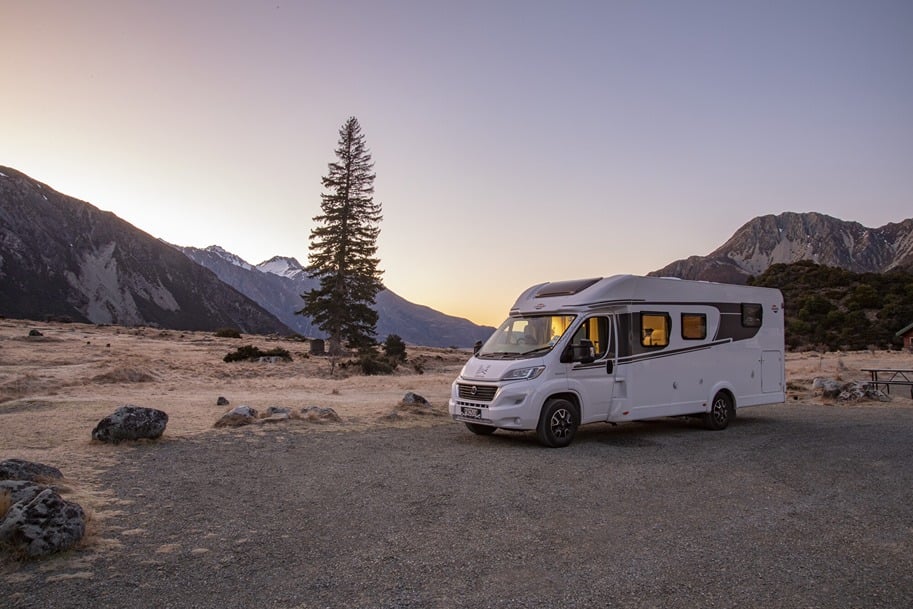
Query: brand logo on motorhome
point(482, 370)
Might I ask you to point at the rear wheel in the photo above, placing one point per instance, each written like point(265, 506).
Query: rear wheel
point(557, 423)
point(722, 412)
point(482, 430)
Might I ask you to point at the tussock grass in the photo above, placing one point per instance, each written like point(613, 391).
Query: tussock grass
point(124, 375)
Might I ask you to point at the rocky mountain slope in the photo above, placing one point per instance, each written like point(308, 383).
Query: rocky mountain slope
point(277, 284)
point(791, 237)
point(64, 258)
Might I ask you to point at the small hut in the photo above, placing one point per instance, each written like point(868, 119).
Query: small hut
point(906, 334)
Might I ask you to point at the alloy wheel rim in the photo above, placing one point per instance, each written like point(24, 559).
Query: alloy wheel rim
point(561, 423)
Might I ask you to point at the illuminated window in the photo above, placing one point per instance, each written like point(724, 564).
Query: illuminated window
point(694, 326)
point(654, 329)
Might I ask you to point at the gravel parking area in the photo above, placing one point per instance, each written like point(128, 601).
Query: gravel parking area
point(793, 506)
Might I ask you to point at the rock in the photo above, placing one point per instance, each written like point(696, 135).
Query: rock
point(320, 414)
point(43, 525)
point(17, 469)
point(131, 423)
point(274, 410)
point(20, 490)
point(276, 418)
point(35, 333)
point(414, 399)
point(412, 403)
point(273, 359)
point(221, 401)
point(238, 416)
point(826, 388)
point(860, 390)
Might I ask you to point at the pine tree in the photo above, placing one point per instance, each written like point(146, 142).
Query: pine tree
point(343, 246)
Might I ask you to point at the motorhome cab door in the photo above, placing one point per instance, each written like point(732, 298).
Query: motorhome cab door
point(593, 377)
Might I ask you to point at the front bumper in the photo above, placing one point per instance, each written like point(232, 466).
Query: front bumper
point(513, 407)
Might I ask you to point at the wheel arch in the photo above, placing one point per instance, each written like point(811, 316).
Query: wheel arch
point(724, 388)
point(570, 396)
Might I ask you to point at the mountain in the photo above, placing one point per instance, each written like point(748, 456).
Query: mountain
point(791, 237)
point(277, 284)
point(64, 258)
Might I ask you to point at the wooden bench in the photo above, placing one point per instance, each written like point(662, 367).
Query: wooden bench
point(890, 376)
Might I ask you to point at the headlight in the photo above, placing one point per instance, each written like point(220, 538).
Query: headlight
point(523, 373)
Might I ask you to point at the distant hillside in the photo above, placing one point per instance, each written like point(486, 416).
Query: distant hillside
point(64, 258)
point(791, 237)
point(836, 309)
point(277, 284)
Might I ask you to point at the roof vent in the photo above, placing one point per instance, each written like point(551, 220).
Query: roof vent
point(565, 288)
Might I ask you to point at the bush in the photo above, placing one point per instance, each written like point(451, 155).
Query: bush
point(371, 363)
point(395, 348)
point(251, 353)
point(228, 333)
point(374, 365)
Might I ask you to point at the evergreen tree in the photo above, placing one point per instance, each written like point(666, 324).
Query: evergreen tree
point(343, 245)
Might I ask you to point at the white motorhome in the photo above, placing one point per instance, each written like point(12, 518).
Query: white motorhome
point(624, 348)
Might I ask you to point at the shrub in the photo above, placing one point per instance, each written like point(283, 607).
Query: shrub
point(375, 365)
point(251, 353)
point(395, 348)
point(371, 363)
point(228, 333)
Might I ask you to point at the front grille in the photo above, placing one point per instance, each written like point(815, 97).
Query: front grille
point(477, 393)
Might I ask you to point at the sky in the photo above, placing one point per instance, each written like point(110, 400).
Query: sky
point(513, 142)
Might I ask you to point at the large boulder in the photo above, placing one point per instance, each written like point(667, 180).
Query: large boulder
point(42, 525)
point(17, 469)
point(19, 490)
point(131, 423)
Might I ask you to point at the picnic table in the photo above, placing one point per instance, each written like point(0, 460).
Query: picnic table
point(890, 376)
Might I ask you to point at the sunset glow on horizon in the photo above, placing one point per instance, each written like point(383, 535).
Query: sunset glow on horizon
point(514, 142)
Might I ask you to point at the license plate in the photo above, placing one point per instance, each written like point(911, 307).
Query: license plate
point(471, 413)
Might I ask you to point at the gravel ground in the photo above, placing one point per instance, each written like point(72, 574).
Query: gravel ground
point(794, 506)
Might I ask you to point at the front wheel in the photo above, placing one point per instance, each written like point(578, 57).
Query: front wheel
point(481, 430)
point(722, 412)
point(557, 423)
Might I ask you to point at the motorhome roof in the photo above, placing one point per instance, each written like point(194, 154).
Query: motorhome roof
point(620, 289)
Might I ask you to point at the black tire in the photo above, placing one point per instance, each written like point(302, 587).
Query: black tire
point(481, 430)
point(722, 412)
point(558, 423)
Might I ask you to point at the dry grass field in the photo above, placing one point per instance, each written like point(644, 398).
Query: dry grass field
point(55, 388)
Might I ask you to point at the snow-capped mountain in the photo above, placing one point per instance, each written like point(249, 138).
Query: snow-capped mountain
point(282, 266)
point(277, 285)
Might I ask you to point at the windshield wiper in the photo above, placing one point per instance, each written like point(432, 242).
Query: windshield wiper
point(543, 349)
point(500, 355)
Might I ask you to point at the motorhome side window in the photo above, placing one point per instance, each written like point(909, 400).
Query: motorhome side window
point(654, 329)
point(751, 315)
point(694, 326)
point(595, 330)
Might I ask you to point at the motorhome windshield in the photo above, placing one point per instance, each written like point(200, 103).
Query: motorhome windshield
point(520, 337)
